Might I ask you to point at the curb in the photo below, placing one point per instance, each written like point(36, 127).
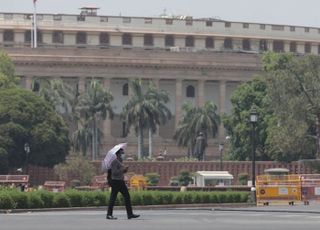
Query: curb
point(264, 210)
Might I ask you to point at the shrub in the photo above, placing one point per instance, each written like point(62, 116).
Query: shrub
point(6, 202)
point(47, 198)
point(60, 200)
point(75, 198)
point(136, 198)
point(99, 198)
point(35, 201)
point(213, 198)
point(243, 178)
point(152, 178)
point(222, 198)
point(184, 178)
point(147, 198)
point(187, 198)
point(21, 199)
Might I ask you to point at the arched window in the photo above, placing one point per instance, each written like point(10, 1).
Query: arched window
point(36, 86)
point(57, 37)
point(209, 43)
point(190, 91)
point(125, 90)
point(189, 41)
point(8, 36)
point(104, 39)
point(169, 40)
point(81, 38)
point(126, 39)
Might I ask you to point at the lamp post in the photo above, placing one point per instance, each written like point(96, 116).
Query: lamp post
point(253, 120)
point(27, 151)
point(221, 146)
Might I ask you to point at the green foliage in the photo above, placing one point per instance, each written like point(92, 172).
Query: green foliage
point(25, 118)
point(60, 200)
point(194, 120)
point(294, 94)
point(246, 96)
point(7, 75)
point(243, 178)
point(152, 178)
point(145, 110)
point(75, 167)
point(10, 199)
point(184, 178)
point(4, 163)
point(174, 181)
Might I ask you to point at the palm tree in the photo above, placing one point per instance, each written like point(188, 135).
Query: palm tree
point(195, 120)
point(94, 106)
point(145, 111)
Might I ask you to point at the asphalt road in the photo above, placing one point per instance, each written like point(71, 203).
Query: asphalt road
point(161, 219)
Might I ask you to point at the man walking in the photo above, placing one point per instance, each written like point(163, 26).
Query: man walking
point(118, 184)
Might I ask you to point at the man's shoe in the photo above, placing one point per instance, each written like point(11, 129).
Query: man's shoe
point(110, 217)
point(133, 216)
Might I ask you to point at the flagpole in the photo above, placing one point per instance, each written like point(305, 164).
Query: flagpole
point(35, 24)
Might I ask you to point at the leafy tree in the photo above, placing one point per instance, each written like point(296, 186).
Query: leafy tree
point(195, 120)
point(94, 106)
point(26, 118)
point(75, 167)
point(145, 110)
point(7, 76)
point(4, 164)
point(152, 178)
point(246, 96)
point(294, 92)
point(184, 178)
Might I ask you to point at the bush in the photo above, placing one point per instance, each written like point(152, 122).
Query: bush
point(76, 198)
point(6, 202)
point(21, 199)
point(243, 178)
point(47, 198)
point(60, 200)
point(152, 178)
point(35, 201)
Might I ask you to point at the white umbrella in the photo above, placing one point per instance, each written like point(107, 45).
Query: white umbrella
point(111, 156)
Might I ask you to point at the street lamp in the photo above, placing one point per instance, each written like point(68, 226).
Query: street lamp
point(27, 151)
point(221, 146)
point(253, 120)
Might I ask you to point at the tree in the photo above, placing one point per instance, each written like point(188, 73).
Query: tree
point(95, 106)
point(145, 110)
point(26, 118)
point(152, 178)
point(294, 92)
point(7, 76)
point(246, 96)
point(195, 120)
point(184, 178)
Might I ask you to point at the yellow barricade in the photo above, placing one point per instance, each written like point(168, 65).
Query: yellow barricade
point(278, 188)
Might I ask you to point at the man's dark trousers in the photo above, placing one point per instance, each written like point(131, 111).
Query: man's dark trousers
point(116, 187)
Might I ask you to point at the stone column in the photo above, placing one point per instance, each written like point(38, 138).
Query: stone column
point(178, 101)
point(156, 82)
point(222, 109)
point(82, 84)
point(107, 121)
point(201, 93)
point(28, 83)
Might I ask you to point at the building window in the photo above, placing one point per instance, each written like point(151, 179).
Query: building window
point(278, 46)
point(126, 20)
point(148, 40)
point(81, 38)
point(307, 29)
point(126, 39)
point(169, 21)
point(8, 16)
point(263, 45)
point(35, 86)
point(103, 19)
point(148, 21)
point(246, 44)
point(293, 47)
point(104, 39)
point(8, 36)
point(57, 37)
point(245, 25)
point(228, 43)
point(189, 22)
point(277, 27)
point(125, 90)
point(169, 40)
point(209, 43)
point(292, 28)
point(27, 36)
point(124, 129)
point(262, 26)
point(209, 23)
point(318, 49)
point(307, 48)
point(189, 41)
point(57, 17)
point(81, 18)
point(27, 16)
point(190, 91)
point(227, 24)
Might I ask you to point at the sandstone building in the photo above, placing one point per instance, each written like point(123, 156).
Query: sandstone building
point(194, 60)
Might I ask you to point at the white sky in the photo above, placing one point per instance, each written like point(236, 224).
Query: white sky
point(287, 12)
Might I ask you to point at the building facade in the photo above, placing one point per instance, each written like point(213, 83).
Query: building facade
point(194, 60)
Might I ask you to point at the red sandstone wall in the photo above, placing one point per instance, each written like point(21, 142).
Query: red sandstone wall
point(168, 169)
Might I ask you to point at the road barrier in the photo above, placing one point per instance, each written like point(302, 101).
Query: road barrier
point(310, 188)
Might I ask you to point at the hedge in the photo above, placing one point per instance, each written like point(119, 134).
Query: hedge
point(12, 199)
